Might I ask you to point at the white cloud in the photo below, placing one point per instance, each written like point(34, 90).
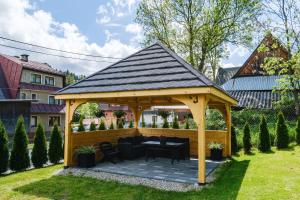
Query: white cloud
point(137, 31)
point(103, 20)
point(22, 21)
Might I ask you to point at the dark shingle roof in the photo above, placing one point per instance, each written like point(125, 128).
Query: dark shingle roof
point(224, 74)
point(155, 67)
point(46, 108)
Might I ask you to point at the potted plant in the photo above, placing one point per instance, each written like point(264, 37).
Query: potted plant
point(86, 156)
point(216, 150)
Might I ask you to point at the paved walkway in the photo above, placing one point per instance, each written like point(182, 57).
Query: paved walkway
point(184, 171)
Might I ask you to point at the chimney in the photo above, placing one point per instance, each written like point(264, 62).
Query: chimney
point(24, 57)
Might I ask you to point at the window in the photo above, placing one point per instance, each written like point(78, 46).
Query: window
point(49, 80)
point(54, 120)
point(33, 121)
point(51, 100)
point(36, 78)
point(23, 95)
point(33, 96)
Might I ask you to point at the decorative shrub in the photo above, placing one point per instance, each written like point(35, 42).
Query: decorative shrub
point(247, 139)
point(264, 144)
point(55, 152)
point(81, 126)
point(298, 131)
point(166, 123)
point(103, 127)
point(175, 124)
point(111, 127)
point(234, 145)
point(119, 114)
point(92, 126)
point(143, 122)
point(85, 150)
point(282, 135)
point(130, 124)
point(39, 152)
point(19, 158)
point(76, 117)
point(4, 153)
point(215, 145)
point(120, 125)
point(187, 124)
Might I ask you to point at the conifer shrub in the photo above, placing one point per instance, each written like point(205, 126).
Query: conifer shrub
point(55, 151)
point(175, 124)
point(130, 124)
point(92, 126)
point(298, 131)
point(154, 124)
point(111, 127)
point(234, 145)
point(187, 124)
point(39, 152)
point(247, 139)
point(165, 124)
point(19, 158)
point(4, 152)
point(264, 143)
point(282, 133)
point(120, 124)
point(143, 122)
point(81, 126)
point(102, 125)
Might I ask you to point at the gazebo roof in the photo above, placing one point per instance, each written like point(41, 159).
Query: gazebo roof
point(154, 67)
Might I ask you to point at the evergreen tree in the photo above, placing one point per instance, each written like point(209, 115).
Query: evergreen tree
point(111, 127)
point(19, 159)
point(120, 124)
point(55, 152)
point(247, 139)
point(234, 146)
point(282, 135)
point(175, 124)
point(264, 143)
point(92, 126)
point(166, 123)
point(81, 126)
point(143, 122)
point(39, 151)
point(4, 153)
point(102, 125)
point(187, 124)
point(130, 124)
point(298, 131)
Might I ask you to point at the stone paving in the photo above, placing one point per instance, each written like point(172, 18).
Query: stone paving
point(184, 171)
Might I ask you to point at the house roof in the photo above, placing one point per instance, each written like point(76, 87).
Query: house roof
point(154, 67)
point(224, 74)
point(47, 108)
point(3, 86)
point(30, 86)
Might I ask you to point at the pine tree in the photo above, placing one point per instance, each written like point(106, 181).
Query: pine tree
point(120, 124)
point(55, 152)
point(298, 131)
point(264, 143)
point(143, 122)
point(39, 151)
point(130, 124)
point(234, 146)
point(111, 127)
point(187, 124)
point(92, 126)
point(19, 159)
point(247, 139)
point(102, 125)
point(81, 126)
point(175, 124)
point(282, 135)
point(166, 123)
point(4, 152)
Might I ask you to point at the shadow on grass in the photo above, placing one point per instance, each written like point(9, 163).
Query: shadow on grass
point(226, 186)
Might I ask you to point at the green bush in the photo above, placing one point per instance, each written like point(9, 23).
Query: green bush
point(143, 122)
point(4, 153)
point(214, 120)
point(282, 135)
point(264, 144)
point(298, 131)
point(120, 124)
point(19, 158)
point(166, 123)
point(175, 124)
point(92, 126)
point(247, 139)
point(81, 126)
point(39, 151)
point(234, 145)
point(103, 127)
point(187, 124)
point(111, 127)
point(130, 124)
point(55, 152)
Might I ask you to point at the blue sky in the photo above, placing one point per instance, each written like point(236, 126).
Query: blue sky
point(105, 28)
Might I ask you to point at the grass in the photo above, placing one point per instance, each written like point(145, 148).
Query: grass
point(275, 175)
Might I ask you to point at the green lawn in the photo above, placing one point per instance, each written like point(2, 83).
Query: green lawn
point(259, 176)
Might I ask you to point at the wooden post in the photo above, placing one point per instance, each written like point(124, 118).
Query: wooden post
point(68, 137)
point(228, 123)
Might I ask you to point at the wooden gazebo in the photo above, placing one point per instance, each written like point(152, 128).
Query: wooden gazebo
point(153, 76)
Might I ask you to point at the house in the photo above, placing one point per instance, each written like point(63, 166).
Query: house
point(27, 88)
point(250, 84)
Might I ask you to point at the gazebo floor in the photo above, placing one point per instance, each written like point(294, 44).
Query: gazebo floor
point(184, 171)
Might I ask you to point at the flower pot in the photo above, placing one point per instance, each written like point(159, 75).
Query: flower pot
point(86, 160)
point(216, 154)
